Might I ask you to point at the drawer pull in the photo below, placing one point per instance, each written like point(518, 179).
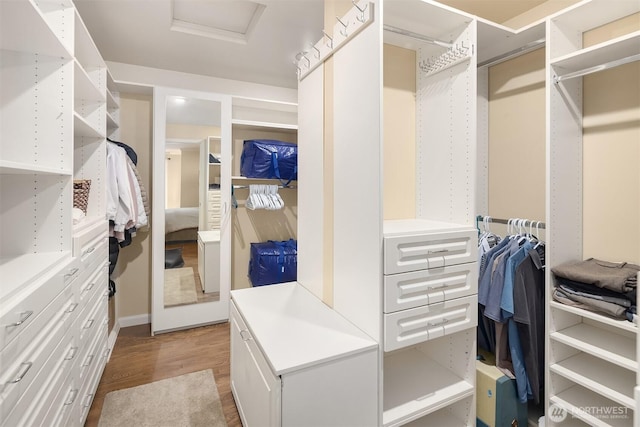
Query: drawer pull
point(72, 307)
point(242, 332)
point(89, 324)
point(444, 285)
point(444, 321)
point(72, 353)
point(71, 273)
point(90, 286)
point(439, 251)
point(88, 251)
point(88, 399)
point(23, 318)
point(88, 360)
point(72, 397)
point(105, 353)
point(25, 366)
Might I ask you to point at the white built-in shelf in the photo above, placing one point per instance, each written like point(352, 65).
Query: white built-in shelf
point(112, 102)
point(111, 122)
point(621, 324)
point(612, 50)
point(24, 28)
point(439, 418)
point(259, 180)
point(600, 376)
point(577, 397)
point(16, 168)
point(586, 15)
point(16, 272)
point(415, 385)
point(405, 227)
point(598, 342)
point(86, 51)
point(82, 127)
point(215, 164)
point(258, 125)
point(84, 87)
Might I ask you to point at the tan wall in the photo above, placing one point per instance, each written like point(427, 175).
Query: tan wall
point(399, 127)
point(133, 270)
point(190, 178)
point(517, 139)
point(611, 154)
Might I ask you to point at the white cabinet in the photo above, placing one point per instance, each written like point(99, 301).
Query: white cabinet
point(52, 268)
point(592, 362)
point(296, 362)
point(209, 260)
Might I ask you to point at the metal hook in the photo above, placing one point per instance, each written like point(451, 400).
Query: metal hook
point(344, 25)
point(330, 45)
point(317, 54)
point(361, 16)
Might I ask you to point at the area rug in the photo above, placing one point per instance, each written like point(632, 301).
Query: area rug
point(179, 286)
point(189, 400)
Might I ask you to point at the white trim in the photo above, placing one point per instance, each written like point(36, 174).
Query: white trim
point(140, 319)
point(113, 336)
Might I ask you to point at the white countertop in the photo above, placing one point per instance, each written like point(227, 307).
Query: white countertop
point(295, 329)
point(404, 227)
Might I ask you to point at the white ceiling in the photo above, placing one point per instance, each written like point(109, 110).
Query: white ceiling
point(233, 39)
point(139, 32)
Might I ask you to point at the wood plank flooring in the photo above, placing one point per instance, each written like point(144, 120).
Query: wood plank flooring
point(190, 257)
point(138, 358)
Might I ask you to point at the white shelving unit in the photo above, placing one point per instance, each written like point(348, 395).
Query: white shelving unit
point(592, 360)
point(52, 272)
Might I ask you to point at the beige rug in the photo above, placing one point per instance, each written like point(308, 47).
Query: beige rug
point(189, 400)
point(179, 286)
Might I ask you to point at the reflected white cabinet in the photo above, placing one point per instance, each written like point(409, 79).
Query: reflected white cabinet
point(295, 362)
point(209, 260)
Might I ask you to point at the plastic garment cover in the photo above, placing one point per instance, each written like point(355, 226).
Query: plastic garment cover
point(273, 262)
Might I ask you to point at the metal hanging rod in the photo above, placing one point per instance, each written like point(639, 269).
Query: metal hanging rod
point(537, 224)
point(602, 67)
point(417, 36)
point(531, 46)
point(242, 187)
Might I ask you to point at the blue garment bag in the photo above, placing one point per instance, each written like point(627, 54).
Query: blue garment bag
point(270, 159)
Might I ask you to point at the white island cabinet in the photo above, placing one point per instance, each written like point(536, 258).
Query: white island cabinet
point(296, 362)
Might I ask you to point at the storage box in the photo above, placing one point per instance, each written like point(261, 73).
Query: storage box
point(273, 262)
point(270, 159)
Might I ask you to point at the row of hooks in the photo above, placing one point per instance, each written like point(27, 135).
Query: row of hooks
point(346, 27)
point(453, 56)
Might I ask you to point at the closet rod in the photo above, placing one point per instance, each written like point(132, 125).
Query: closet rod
point(531, 46)
point(480, 219)
point(417, 36)
point(602, 67)
point(241, 187)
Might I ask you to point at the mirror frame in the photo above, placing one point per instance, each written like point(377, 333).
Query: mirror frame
point(165, 319)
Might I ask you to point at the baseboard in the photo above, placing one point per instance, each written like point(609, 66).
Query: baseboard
point(113, 336)
point(141, 319)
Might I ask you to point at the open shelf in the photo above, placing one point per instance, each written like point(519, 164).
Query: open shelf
point(246, 180)
point(614, 348)
point(111, 122)
point(84, 87)
point(112, 102)
point(577, 401)
point(600, 376)
point(82, 127)
point(621, 324)
point(20, 270)
point(415, 385)
point(17, 168)
point(24, 28)
point(612, 50)
point(86, 51)
point(262, 126)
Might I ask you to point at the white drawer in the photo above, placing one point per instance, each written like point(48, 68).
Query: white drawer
point(413, 326)
point(429, 250)
point(18, 314)
point(92, 379)
point(92, 319)
point(408, 290)
point(62, 408)
point(92, 354)
point(84, 240)
point(96, 283)
point(23, 361)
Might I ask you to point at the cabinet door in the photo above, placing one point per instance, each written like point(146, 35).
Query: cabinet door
point(255, 388)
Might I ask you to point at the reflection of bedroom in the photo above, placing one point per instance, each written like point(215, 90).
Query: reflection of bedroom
point(183, 175)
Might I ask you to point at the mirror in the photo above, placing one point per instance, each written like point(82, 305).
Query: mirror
point(191, 267)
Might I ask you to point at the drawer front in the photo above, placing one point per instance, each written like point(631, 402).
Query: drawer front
point(84, 240)
point(62, 410)
point(416, 325)
point(417, 288)
point(95, 255)
point(92, 379)
point(16, 318)
point(92, 354)
point(96, 283)
point(25, 363)
point(92, 319)
point(434, 250)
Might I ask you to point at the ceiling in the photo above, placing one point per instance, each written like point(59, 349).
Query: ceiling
point(233, 39)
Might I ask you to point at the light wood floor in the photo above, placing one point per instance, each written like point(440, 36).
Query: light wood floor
point(190, 257)
point(139, 358)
